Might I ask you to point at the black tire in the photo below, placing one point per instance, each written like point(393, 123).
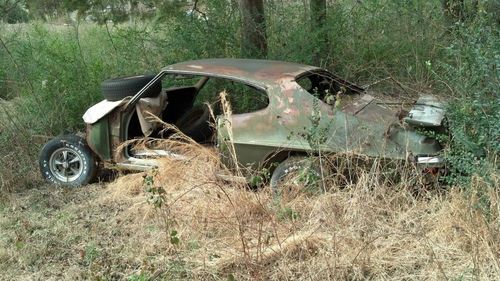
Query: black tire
point(296, 175)
point(119, 88)
point(195, 123)
point(68, 161)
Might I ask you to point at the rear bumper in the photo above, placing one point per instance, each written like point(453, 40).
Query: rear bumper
point(430, 161)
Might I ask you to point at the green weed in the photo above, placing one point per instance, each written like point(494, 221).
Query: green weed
point(91, 253)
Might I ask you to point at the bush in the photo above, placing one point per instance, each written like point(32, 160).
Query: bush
point(472, 73)
point(13, 13)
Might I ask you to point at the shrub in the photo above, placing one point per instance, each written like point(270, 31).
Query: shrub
point(472, 73)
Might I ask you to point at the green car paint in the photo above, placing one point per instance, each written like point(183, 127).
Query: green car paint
point(357, 123)
point(98, 138)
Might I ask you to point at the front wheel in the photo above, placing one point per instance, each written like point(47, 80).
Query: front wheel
point(68, 161)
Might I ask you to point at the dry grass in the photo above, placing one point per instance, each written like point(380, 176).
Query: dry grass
point(364, 231)
point(18, 151)
point(189, 224)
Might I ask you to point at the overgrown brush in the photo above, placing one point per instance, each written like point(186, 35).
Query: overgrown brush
point(369, 228)
point(471, 74)
point(53, 72)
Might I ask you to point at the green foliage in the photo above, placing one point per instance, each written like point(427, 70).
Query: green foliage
point(60, 70)
point(139, 277)
point(11, 11)
point(261, 177)
point(474, 112)
point(316, 134)
point(368, 39)
point(288, 213)
point(193, 245)
point(174, 239)
point(156, 194)
point(91, 253)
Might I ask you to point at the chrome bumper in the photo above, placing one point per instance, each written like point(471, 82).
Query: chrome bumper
point(430, 161)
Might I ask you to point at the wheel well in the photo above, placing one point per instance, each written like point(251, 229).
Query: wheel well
point(280, 156)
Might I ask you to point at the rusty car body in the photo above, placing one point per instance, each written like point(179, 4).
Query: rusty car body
point(299, 97)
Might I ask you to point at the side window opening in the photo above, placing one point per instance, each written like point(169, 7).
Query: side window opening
point(242, 97)
point(187, 94)
point(177, 81)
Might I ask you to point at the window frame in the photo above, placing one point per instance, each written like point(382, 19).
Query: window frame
point(207, 76)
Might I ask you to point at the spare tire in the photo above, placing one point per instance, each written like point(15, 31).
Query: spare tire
point(119, 88)
point(195, 123)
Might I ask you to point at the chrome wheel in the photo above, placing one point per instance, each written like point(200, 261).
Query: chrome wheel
point(66, 165)
point(68, 161)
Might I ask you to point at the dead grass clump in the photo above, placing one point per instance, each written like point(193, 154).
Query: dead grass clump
point(375, 226)
point(364, 230)
point(209, 229)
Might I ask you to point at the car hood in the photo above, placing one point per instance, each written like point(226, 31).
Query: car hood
point(101, 109)
point(427, 111)
point(395, 133)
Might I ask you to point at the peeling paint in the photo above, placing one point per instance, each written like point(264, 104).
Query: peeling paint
point(362, 124)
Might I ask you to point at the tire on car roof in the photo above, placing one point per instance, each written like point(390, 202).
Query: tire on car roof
point(116, 89)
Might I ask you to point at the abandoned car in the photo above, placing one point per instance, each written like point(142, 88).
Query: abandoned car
point(275, 104)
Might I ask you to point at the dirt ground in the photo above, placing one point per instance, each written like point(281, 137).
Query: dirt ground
point(50, 233)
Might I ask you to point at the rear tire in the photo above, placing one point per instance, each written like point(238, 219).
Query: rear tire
point(68, 161)
point(296, 175)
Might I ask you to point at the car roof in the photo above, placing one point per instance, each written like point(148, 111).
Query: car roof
point(263, 73)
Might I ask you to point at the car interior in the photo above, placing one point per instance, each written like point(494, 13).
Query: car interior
point(188, 99)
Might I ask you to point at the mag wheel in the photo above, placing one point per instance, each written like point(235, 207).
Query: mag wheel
point(68, 161)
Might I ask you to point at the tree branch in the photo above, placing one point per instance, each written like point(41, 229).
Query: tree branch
point(26, 78)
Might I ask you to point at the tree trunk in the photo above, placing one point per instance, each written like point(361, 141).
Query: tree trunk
point(253, 31)
point(318, 28)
